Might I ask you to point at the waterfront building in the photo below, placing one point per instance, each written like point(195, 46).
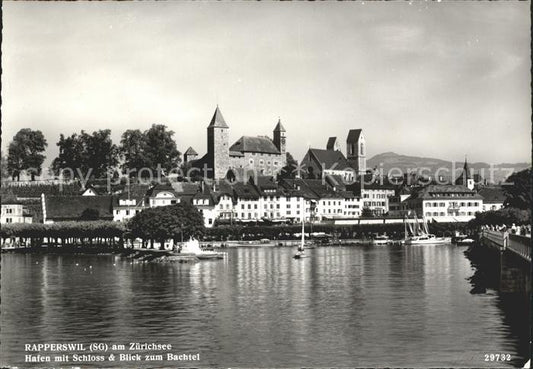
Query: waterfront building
point(374, 193)
point(14, 211)
point(397, 202)
point(261, 154)
point(129, 202)
point(445, 203)
point(493, 197)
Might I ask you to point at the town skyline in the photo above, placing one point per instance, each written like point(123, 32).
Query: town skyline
point(463, 67)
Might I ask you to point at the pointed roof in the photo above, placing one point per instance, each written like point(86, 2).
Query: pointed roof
point(465, 170)
point(218, 120)
point(279, 127)
point(190, 151)
point(353, 135)
point(331, 143)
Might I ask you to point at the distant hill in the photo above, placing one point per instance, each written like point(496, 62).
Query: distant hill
point(406, 163)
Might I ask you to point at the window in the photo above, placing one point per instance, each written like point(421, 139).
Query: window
point(251, 161)
point(441, 204)
point(441, 214)
point(428, 214)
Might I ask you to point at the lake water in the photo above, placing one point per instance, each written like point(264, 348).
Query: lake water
point(343, 306)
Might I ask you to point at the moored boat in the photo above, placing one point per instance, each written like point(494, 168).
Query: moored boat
point(192, 247)
point(381, 240)
point(420, 234)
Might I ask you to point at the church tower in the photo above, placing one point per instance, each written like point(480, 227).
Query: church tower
point(280, 139)
point(218, 146)
point(356, 150)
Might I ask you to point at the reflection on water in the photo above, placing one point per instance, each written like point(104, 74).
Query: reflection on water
point(343, 306)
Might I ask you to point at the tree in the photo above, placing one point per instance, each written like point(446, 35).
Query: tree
point(506, 216)
point(3, 166)
point(167, 222)
point(290, 168)
point(25, 153)
point(86, 154)
point(101, 152)
point(161, 148)
point(133, 151)
point(367, 213)
point(517, 189)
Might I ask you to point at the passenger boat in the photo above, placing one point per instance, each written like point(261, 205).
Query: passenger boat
point(192, 247)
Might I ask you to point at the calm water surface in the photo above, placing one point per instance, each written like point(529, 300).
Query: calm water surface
point(344, 306)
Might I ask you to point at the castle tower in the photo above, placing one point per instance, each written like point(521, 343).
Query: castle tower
point(218, 146)
point(356, 149)
point(280, 140)
point(333, 144)
point(190, 155)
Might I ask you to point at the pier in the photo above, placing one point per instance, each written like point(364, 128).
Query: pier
point(513, 259)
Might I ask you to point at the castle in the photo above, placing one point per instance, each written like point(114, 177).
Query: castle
point(263, 155)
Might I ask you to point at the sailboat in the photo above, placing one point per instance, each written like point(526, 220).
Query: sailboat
point(420, 234)
point(300, 253)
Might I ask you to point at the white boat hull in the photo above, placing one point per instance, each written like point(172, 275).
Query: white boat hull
point(428, 241)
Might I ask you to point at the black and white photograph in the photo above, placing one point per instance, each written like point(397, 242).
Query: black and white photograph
point(266, 184)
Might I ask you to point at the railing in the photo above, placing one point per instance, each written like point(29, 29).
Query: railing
point(520, 245)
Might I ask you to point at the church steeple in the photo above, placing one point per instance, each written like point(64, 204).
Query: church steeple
point(466, 171)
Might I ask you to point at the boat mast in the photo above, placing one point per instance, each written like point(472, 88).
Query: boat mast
point(303, 229)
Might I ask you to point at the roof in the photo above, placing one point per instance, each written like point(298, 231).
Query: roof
point(336, 181)
point(72, 207)
point(254, 144)
point(318, 187)
point(330, 160)
point(185, 188)
point(331, 143)
point(492, 195)
point(218, 120)
point(160, 188)
point(445, 192)
point(279, 127)
point(353, 135)
point(245, 191)
point(134, 191)
point(190, 151)
point(298, 187)
point(236, 153)
point(266, 185)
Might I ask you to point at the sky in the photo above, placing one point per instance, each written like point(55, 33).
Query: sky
point(434, 79)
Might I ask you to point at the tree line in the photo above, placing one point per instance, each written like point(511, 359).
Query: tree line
point(93, 155)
